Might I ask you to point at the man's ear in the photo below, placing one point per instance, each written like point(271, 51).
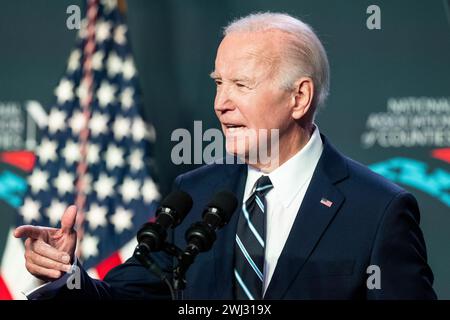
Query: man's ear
point(302, 97)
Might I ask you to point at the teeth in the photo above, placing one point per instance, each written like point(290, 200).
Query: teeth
point(234, 129)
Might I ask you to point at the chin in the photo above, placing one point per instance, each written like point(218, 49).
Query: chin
point(242, 151)
point(235, 149)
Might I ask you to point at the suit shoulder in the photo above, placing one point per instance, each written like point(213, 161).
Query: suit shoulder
point(371, 182)
point(208, 172)
point(371, 195)
point(201, 172)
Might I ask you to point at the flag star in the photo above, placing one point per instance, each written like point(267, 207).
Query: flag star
point(126, 98)
point(97, 60)
point(109, 5)
point(105, 94)
point(83, 91)
point(128, 69)
point(46, 151)
point(102, 31)
point(150, 191)
point(98, 124)
point(122, 220)
point(129, 190)
point(38, 180)
point(138, 129)
point(93, 153)
point(136, 160)
point(64, 91)
point(30, 210)
point(121, 128)
point(113, 64)
point(56, 120)
point(89, 246)
point(77, 122)
point(104, 186)
point(74, 60)
point(55, 212)
point(71, 152)
point(96, 216)
point(114, 157)
point(120, 34)
point(64, 183)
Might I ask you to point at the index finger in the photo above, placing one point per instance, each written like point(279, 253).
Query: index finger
point(28, 231)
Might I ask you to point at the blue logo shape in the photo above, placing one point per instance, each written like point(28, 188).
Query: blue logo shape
point(416, 174)
point(12, 188)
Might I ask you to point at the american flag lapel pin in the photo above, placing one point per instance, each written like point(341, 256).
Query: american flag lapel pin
point(326, 202)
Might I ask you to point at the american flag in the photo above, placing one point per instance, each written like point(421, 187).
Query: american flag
point(326, 202)
point(95, 149)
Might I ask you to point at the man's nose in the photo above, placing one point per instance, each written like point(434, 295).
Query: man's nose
point(223, 101)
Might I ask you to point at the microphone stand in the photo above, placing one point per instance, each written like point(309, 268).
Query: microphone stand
point(185, 259)
point(142, 254)
point(179, 280)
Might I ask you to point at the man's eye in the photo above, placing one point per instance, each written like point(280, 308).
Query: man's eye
point(241, 85)
point(218, 82)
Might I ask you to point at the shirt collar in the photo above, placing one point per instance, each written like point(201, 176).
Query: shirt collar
point(291, 175)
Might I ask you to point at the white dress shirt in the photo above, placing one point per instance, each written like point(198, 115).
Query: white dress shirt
point(290, 182)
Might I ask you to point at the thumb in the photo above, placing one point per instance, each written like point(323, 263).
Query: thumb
point(68, 219)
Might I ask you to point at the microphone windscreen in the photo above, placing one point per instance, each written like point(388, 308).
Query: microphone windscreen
point(179, 201)
point(226, 202)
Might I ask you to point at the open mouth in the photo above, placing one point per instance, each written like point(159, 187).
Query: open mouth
point(234, 128)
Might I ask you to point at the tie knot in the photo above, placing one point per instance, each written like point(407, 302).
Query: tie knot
point(263, 185)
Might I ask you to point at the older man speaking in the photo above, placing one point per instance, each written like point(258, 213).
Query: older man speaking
point(311, 225)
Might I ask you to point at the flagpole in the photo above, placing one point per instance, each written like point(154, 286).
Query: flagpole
point(122, 5)
point(88, 81)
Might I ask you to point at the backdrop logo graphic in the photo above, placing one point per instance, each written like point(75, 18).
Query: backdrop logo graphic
point(18, 124)
point(417, 174)
point(409, 122)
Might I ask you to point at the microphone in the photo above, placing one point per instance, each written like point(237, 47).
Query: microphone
point(201, 235)
point(152, 235)
point(216, 215)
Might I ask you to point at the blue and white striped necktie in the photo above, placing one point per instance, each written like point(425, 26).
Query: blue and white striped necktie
point(250, 244)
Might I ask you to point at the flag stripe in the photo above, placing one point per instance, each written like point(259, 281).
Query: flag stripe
point(14, 273)
point(106, 265)
point(4, 292)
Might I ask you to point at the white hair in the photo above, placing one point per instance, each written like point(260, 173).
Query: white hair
point(304, 54)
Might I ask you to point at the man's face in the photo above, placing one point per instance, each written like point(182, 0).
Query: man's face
point(249, 96)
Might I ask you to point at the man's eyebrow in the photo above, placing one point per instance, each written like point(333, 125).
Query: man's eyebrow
point(214, 75)
point(243, 78)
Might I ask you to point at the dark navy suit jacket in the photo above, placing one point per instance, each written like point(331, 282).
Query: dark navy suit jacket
point(371, 222)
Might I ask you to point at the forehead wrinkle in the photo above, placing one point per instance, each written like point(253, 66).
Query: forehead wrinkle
point(265, 52)
point(269, 60)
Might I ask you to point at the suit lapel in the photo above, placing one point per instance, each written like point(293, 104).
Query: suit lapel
point(223, 250)
point(311, 222)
